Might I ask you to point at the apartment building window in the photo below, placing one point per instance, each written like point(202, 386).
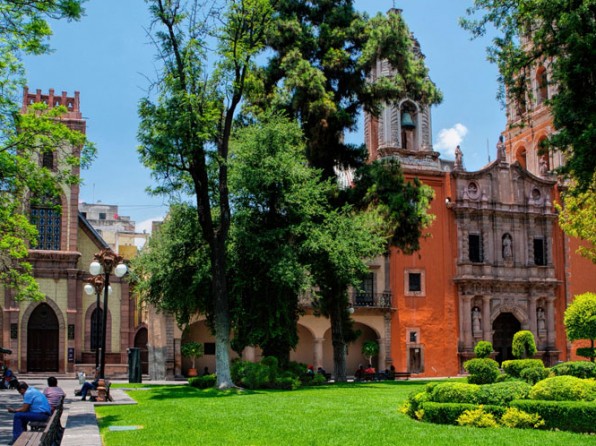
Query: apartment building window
point(475, 248)
point(102, 215)
point(414, 282)
point(539, 252)
point(365, 292)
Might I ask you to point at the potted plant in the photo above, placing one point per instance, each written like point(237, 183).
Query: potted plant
point(370, 349)
point(192, 350)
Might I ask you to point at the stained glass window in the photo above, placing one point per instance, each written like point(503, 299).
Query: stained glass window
point(48, 221)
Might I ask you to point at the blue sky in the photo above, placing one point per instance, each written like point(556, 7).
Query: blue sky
point(108, 57)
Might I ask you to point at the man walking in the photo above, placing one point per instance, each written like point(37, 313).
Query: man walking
point(35, 408)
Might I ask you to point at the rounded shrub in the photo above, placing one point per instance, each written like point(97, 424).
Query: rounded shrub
point(454, 392)
point(411, 406)
point(203, 382)
point(519, 419)
point(483, 349)
point(482, 370)
point(523, 345)
point(579, 369)
point(532, 375)
point(501, 394)
point(515, 367)
point(564, 388)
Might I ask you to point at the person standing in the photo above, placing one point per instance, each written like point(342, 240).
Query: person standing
point(35, 408)
point(53, 393)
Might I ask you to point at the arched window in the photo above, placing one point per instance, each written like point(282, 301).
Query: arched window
point(96, 329)
point(47, 216)
point(408, 125)
point(541, 85)
point(520, 156)
point(47, 160)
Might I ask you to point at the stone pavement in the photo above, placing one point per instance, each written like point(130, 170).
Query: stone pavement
point(78, 417)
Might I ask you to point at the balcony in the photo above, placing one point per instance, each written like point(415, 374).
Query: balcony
point(370, 300)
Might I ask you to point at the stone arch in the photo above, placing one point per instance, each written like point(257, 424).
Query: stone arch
point(305, 350)
point(88, 315)
point(520, 314)
point(141, 338)
point(521, 156)
point(24, 333)
point(410, 141)
point(354, 357)
point(199, 331)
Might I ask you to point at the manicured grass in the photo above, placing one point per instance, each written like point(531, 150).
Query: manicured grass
point(347, 414)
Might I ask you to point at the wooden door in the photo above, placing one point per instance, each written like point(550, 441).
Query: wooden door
point(42, 340)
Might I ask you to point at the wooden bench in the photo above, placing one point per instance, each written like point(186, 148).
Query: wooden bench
point(402, 375)
point(44, 433)
point(94, 392)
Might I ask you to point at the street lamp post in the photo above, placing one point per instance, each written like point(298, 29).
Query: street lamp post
point(105, 262)
point(95, 285)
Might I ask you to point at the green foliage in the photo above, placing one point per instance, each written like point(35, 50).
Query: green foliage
point(579, 369)
point(412, 406)
point(267, 375)
point(518, 419)
point(483, 349)
point(575, 416)
point(580, 319)
point(477, 418)
point(523, 345)
point(564, 388)
point(448, 413)
point(482, 370)
point(501, 394)
point(559, 34)
point(202, 382)
point(287, 383)
point(455, 392)
point(370, 349)
point(514, 367)
point(192, 350)
point(534, 374)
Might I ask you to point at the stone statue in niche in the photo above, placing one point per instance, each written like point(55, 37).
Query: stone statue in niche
point(476, 321)
point(541, 318)
point(543, 166)
point(507, 247)
point(501, 149)
point(459, 159)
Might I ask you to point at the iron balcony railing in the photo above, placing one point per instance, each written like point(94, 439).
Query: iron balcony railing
point(373, 300)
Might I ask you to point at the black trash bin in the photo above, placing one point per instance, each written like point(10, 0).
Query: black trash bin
point(134, 365)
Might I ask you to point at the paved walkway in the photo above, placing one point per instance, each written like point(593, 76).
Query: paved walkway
point(78, 416)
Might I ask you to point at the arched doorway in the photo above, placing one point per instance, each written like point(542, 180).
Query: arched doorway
point(141, 344)
point(504, 327)
point(42, 340)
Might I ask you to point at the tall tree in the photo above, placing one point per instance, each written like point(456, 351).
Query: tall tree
point(562, 34)
point(580, 322)
point(25, 138)
point(185, 132)
point(321, 55)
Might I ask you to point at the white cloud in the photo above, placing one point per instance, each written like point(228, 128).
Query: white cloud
point(145, 226)
point(449, 139)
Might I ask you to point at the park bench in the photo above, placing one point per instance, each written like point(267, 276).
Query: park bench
point(44, 433)
point(402, 375)
point(93, 393)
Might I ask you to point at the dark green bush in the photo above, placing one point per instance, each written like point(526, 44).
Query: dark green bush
point(586, 352)
point(515, 367)
point(483, 349)
point(286, 383)
point(501, 394)
point(454, 392)
point(564, 388)
point(482, 370)
point(448, 413)
point(532, 375)
point(579, 369)
point(576, 416)
point(202, 382)
point(523, 344)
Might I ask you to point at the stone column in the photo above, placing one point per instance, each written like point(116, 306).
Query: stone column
point(532, 317)
point(486, 325)
point(550, 323)
point(382, 365)
point(467, 322)
point(318, 353)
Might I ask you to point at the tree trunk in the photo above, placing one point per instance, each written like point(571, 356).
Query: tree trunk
point(336, 315)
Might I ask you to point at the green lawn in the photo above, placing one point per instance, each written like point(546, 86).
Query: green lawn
point(349, 414)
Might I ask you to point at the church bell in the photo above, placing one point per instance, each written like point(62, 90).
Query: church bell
point(407, 122)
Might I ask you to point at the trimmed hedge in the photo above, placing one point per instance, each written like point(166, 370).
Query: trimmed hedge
point(532, 375)
point(564, 388)
point(575, 416)
point(515, 367)
point(203, 382)
point(448, 413)
point(501, 394)
point(454, 392)
point(579, 369)
point(482, 370)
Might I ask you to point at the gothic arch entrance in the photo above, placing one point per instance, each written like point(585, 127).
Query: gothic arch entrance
point(42, 340)
point(141, 344)
point(504, 327)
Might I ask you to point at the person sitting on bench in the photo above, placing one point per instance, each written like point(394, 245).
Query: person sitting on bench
point(35, 408)
point(53, 393)
point(87, 386)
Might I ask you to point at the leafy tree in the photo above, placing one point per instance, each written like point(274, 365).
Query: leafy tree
point(192, 350)
point(580, 321)
point(523, 345)
point(370, 349)
point(321, 55)
point(576, 218)
point(560, 33)
point(25, 138)
point(185, 131)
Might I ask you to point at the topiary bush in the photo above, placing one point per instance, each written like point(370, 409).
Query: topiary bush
point(477, 418)
point(532, 375)
point(515, 367)
point(564, 388)
point(501, 394)
point(203, 382)
point(523, 345)
point(579, 369)
point(515, 418)
point(483, 349)
point(575, 416)
point(454, 392)
point(482, 370)
point(412, 405)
